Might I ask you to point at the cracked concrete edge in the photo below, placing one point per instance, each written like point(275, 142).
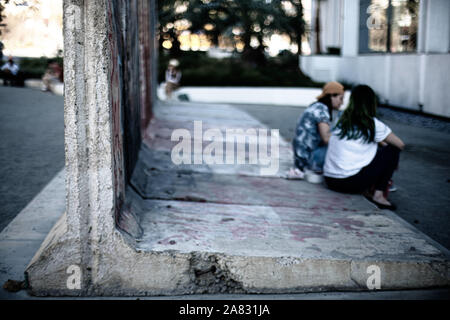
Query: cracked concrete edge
point(121, 270)
point(445, 252)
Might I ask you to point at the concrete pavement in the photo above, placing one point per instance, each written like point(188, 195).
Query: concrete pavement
point(20, 240)
point(287, 225)
point(31, 146)
point(265, 233)
point(422, 180)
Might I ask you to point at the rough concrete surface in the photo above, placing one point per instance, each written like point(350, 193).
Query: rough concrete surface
point(423, 176)
point(22, 238)
point(206, 230)
point(205, 209)
point(31, 146)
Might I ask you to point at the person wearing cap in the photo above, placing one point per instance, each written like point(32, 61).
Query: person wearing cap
point(313, 132)
point(363, 152)
point(173, 77)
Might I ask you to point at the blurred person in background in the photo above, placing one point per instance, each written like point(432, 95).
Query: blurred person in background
point(173, 77)
point(10, 72)
point(54, 74)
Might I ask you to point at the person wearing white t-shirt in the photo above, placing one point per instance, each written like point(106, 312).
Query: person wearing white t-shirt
point(9, 72)
point(363, 152)
point(173, 77)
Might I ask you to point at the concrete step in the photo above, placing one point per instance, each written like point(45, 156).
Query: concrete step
point(211, 228)
point(242, 232)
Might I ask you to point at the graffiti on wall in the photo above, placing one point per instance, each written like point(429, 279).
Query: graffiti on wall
point(131, 86)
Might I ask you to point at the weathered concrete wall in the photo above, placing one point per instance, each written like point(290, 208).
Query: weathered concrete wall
point(147, 40)
point(132, 70)
point(131, 34)
point(132, 28)
point(116, 43)
point(103, 103)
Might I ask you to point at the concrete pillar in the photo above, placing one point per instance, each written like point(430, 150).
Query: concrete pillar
point(423, 17)
point(331, 24)
point(85, 251)
point(437, 28)
point(94, 155)
point(350, 28)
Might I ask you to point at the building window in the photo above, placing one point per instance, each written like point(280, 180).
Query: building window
point(389, 25)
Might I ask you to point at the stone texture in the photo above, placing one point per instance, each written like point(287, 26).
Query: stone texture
point(189, 240)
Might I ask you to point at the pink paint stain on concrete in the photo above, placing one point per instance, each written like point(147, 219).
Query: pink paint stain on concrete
point(348, 224)
point(302, 232)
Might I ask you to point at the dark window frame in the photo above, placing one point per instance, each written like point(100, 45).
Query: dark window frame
point(364, 31)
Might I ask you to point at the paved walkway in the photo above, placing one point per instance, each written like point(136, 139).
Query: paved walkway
point(423, 177)
point(31, 146)
point(294, 235)
point(327, 239)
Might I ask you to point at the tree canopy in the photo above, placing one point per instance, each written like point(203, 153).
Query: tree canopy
point(244, 24)
point(2, 7)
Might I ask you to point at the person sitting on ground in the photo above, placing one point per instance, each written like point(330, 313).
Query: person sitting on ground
point(10, 72)
point(53, 74)
point(173, 77)
point(313, 131)
point(363, 152)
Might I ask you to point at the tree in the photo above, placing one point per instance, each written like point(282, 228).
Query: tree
point(293, 23)
point(32, 4)
point(167, 18)
point(240, 22)
point(243, 23)
point(2, 7)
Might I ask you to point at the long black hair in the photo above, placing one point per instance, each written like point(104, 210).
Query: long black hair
point(327, 101)
point(358, 119)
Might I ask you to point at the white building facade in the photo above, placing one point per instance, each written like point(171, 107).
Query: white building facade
point(401, 48)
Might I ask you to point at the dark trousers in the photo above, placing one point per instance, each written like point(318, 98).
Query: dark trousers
point(377, 174)
point(8, 78)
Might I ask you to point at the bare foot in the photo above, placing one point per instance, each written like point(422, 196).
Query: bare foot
point(378, 196)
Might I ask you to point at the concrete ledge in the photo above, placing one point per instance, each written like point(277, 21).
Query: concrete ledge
point(299, 97)
point(226, 235)
point(55, 87)
point(133, 272)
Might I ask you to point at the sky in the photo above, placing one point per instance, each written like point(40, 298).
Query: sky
point(34, 28)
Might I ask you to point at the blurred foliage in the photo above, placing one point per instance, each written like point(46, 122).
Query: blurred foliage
point(2, 17)
point(238, 21)
point(34, 68)
point(200, 70)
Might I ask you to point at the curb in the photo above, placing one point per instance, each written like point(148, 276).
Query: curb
point(55, 87)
